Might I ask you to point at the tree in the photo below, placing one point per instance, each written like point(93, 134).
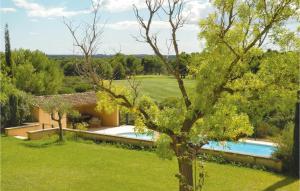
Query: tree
point(119, 72)
point(234, 34)
point(46, 76)
point(14, 103)
point(268, 90)
point(296, 139)
point(58, 109)
point(184, 60)
point(133, 65)
point(118, 64)
point(152, 65)
point(8, 59)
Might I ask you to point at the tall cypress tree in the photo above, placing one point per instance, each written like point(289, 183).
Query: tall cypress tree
point(8, 53)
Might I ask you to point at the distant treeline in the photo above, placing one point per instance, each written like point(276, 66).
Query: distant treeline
point(119, 66)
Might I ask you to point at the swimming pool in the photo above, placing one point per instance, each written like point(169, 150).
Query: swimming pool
point(242, 148)
point(137, 136)
point(254, 148)
point(228, 146)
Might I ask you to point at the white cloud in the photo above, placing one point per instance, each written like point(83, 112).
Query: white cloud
point(37, 10)
point(195, 10)
point(156, 25)
point(122, 5)
point(7, 10)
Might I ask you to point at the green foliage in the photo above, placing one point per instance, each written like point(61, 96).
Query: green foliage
point(225, 123)
point(72, 84)
point(82, 126)
point(172, 116)
point(184, 60)
point(105, 69)
point(133, 65)
point(7, 87)
point(16, 109)
point(119, 72)
point(222, 160)
point(285, 143)
point(163, 149)
point(45, 75)
point(152, 65)
point(296, 140)
point(82, 87)
point(269, 93)
point(56, 105)
point(8, 60)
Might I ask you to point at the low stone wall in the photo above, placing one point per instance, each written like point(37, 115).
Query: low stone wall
point(110, 138)
point(270, 163)
point(22, 130)
point(41, 133)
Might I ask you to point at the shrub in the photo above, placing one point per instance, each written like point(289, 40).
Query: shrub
point(83, 87)
point(66, 90)
point(82, 126)
point(16, 110)
point(284, 150)
point(264, 129)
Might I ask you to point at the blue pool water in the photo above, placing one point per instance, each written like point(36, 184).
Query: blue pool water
point(235, 147)
point(137, 136)
point(242, 147)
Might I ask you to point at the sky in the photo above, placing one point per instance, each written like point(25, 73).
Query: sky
point(38, 24)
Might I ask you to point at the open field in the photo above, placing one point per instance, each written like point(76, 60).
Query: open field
point(160, 87)
point(80, 166)
point(157, 87)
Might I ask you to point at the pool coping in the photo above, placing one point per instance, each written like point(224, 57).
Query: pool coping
point(258, 142)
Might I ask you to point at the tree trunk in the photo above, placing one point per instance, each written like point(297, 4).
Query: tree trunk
point(186, 182)
point(61, 137)
point(185, 165)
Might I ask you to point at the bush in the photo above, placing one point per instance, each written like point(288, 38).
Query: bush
point(16, 110)
point(83, 87)
point(284, 150)
point(82, 126)
point(264, 130)
point(66, 90)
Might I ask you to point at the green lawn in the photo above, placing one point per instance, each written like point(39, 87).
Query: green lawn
point(160, 87)
point(78, 166)
point(156, 86)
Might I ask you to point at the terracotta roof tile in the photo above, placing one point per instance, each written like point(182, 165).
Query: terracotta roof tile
point(75, 99)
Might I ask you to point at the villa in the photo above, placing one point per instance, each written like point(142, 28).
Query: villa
point(85, 103)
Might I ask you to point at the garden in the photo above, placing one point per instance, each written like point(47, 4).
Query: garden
point(47, 165)
point(238, 92)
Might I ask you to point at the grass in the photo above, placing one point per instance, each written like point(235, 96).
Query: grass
point(160, 87)
point(77, 166)
point(157, 87)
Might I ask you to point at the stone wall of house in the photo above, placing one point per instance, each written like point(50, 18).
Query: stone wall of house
point(44, 118)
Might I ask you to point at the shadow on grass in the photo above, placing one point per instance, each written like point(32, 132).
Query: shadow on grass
point(43, 143)
point(284, 182)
